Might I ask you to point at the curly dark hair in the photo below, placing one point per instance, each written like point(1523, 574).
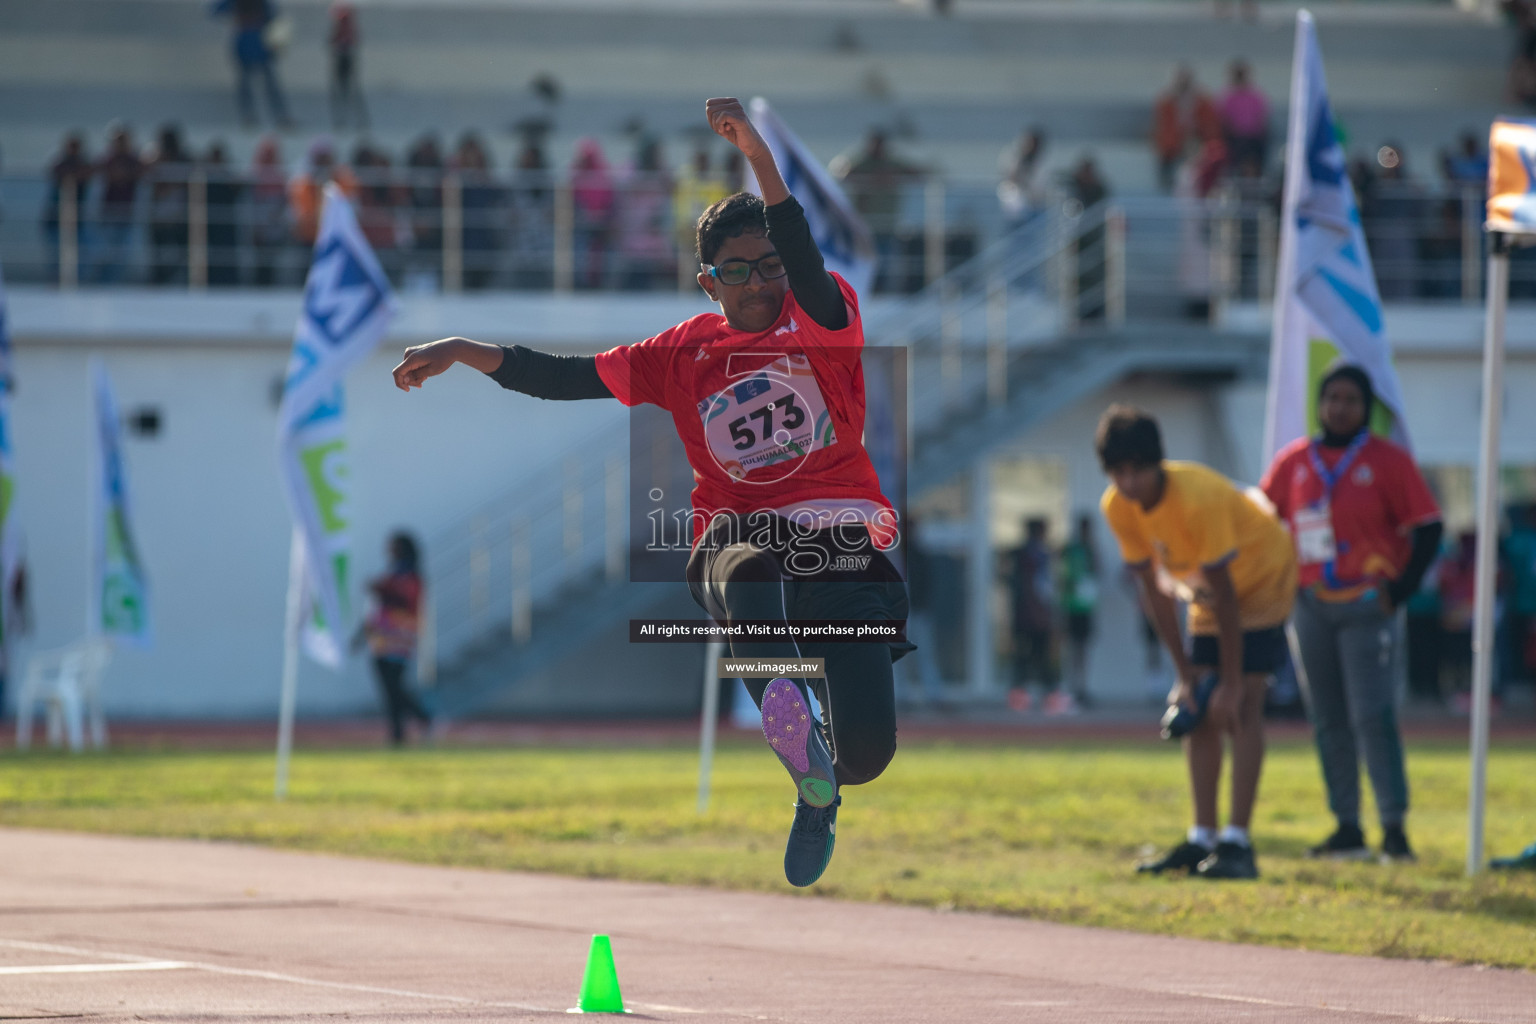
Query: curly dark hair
point(729, 218)
point(1128, 437)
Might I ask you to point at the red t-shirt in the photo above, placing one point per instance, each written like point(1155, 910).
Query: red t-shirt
point(770, 421)
point(1372, 509)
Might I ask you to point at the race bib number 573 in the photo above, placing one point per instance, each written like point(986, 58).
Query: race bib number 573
point(770, 419)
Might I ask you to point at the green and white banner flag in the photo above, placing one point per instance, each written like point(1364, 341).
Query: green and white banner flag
point(1327, 306)
point(348, 305)
point(119, 592)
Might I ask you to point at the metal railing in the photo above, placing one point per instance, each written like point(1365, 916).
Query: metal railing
point(196, 227)
point(563, 527)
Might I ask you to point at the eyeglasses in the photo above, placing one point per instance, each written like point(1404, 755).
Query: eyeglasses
point(738, 271)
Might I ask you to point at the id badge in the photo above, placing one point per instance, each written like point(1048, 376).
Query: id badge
point(1314, 535)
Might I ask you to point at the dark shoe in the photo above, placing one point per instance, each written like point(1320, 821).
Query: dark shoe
point(1525, 860)
point(1231, 860)
point(1184, 857)
point(1346, 843)
point(1395, 848)
point(796, 737)
point(811, 839)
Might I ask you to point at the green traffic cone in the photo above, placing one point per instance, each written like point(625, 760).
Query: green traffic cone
point(600, 985)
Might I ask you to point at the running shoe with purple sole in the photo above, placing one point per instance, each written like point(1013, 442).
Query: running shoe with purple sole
point(795, 735)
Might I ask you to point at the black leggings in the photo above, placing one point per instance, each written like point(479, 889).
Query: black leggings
point(399, 701)
point(745, 581)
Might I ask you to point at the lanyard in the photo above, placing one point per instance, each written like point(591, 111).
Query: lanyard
point(1330, 478)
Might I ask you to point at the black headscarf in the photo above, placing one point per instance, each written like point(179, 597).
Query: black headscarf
point(1362, 380)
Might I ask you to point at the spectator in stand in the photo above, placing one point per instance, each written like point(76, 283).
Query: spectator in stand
point(380, 202)
point(481, 200)
point(168, 173)
point(698, 188)
point(1033, 589)
point(255, 56)
point(1245, 118)
point(306, 192)
point(1467, 165)
point(223, 192)
point(269, 212)
point(68, 175)
point(531, 202)
point(1079, 600)
point(1394, 219)
point(874, 180)
point(1021, 189)
point(1366, 528)
point(424, 168)
point(593, 201)
point(647, 257)
point(1089, 189)
point(120, 171)
point(1182, 119)
point(346, 94)
point(1522, 69)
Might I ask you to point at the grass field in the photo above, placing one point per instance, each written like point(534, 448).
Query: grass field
point(1046, 831)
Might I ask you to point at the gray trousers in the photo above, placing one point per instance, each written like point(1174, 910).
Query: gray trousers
point(1346, 661)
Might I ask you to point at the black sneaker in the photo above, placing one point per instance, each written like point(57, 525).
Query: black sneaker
point(1184, 857)
point(1346, 843)
point(1395, 848)
point(795, 735)
point(811, 839)
point(1231, 860)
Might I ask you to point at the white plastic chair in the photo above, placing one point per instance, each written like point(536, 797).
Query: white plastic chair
point(67, 682)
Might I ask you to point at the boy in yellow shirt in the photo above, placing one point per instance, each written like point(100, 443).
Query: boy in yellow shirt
point(1186, 531)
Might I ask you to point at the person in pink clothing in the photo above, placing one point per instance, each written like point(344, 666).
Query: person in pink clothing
point(1245, 118)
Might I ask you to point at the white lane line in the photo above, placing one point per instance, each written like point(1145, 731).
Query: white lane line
point(1390, 1014)
point(291, 979)
point(147, 965)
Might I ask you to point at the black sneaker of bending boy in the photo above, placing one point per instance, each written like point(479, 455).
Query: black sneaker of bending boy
point(1231, 860)
point(1185, 857)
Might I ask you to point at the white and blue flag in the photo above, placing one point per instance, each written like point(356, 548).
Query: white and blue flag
point(120, 590)
point(1327, 306)
point(844, 239)
point(348, 306)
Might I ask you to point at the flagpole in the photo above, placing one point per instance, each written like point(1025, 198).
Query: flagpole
point(1487, 540)
point(290, 686)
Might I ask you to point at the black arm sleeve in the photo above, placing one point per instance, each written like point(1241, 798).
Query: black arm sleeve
point(562, 378)
point(815, 290)
point(1426, 545)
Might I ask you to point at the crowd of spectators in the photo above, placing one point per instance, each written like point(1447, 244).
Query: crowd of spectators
point(628, 223)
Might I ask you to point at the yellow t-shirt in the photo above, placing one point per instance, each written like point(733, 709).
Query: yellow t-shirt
point(1204, 520)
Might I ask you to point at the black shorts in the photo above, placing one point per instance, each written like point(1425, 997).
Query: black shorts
point(816, 587)
point(1264, 650)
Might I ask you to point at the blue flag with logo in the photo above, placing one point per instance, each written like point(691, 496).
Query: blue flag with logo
point(348, 306)
point(1327, 306)
point(844, 239)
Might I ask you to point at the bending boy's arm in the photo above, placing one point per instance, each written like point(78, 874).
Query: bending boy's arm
point(815, 290)
point(514, 367)
point(1165, 619)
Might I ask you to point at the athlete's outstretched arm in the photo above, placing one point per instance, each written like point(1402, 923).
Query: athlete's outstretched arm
point(540, 374)
point(815, 290)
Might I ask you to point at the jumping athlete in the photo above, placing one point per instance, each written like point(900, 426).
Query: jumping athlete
point(790, 522)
